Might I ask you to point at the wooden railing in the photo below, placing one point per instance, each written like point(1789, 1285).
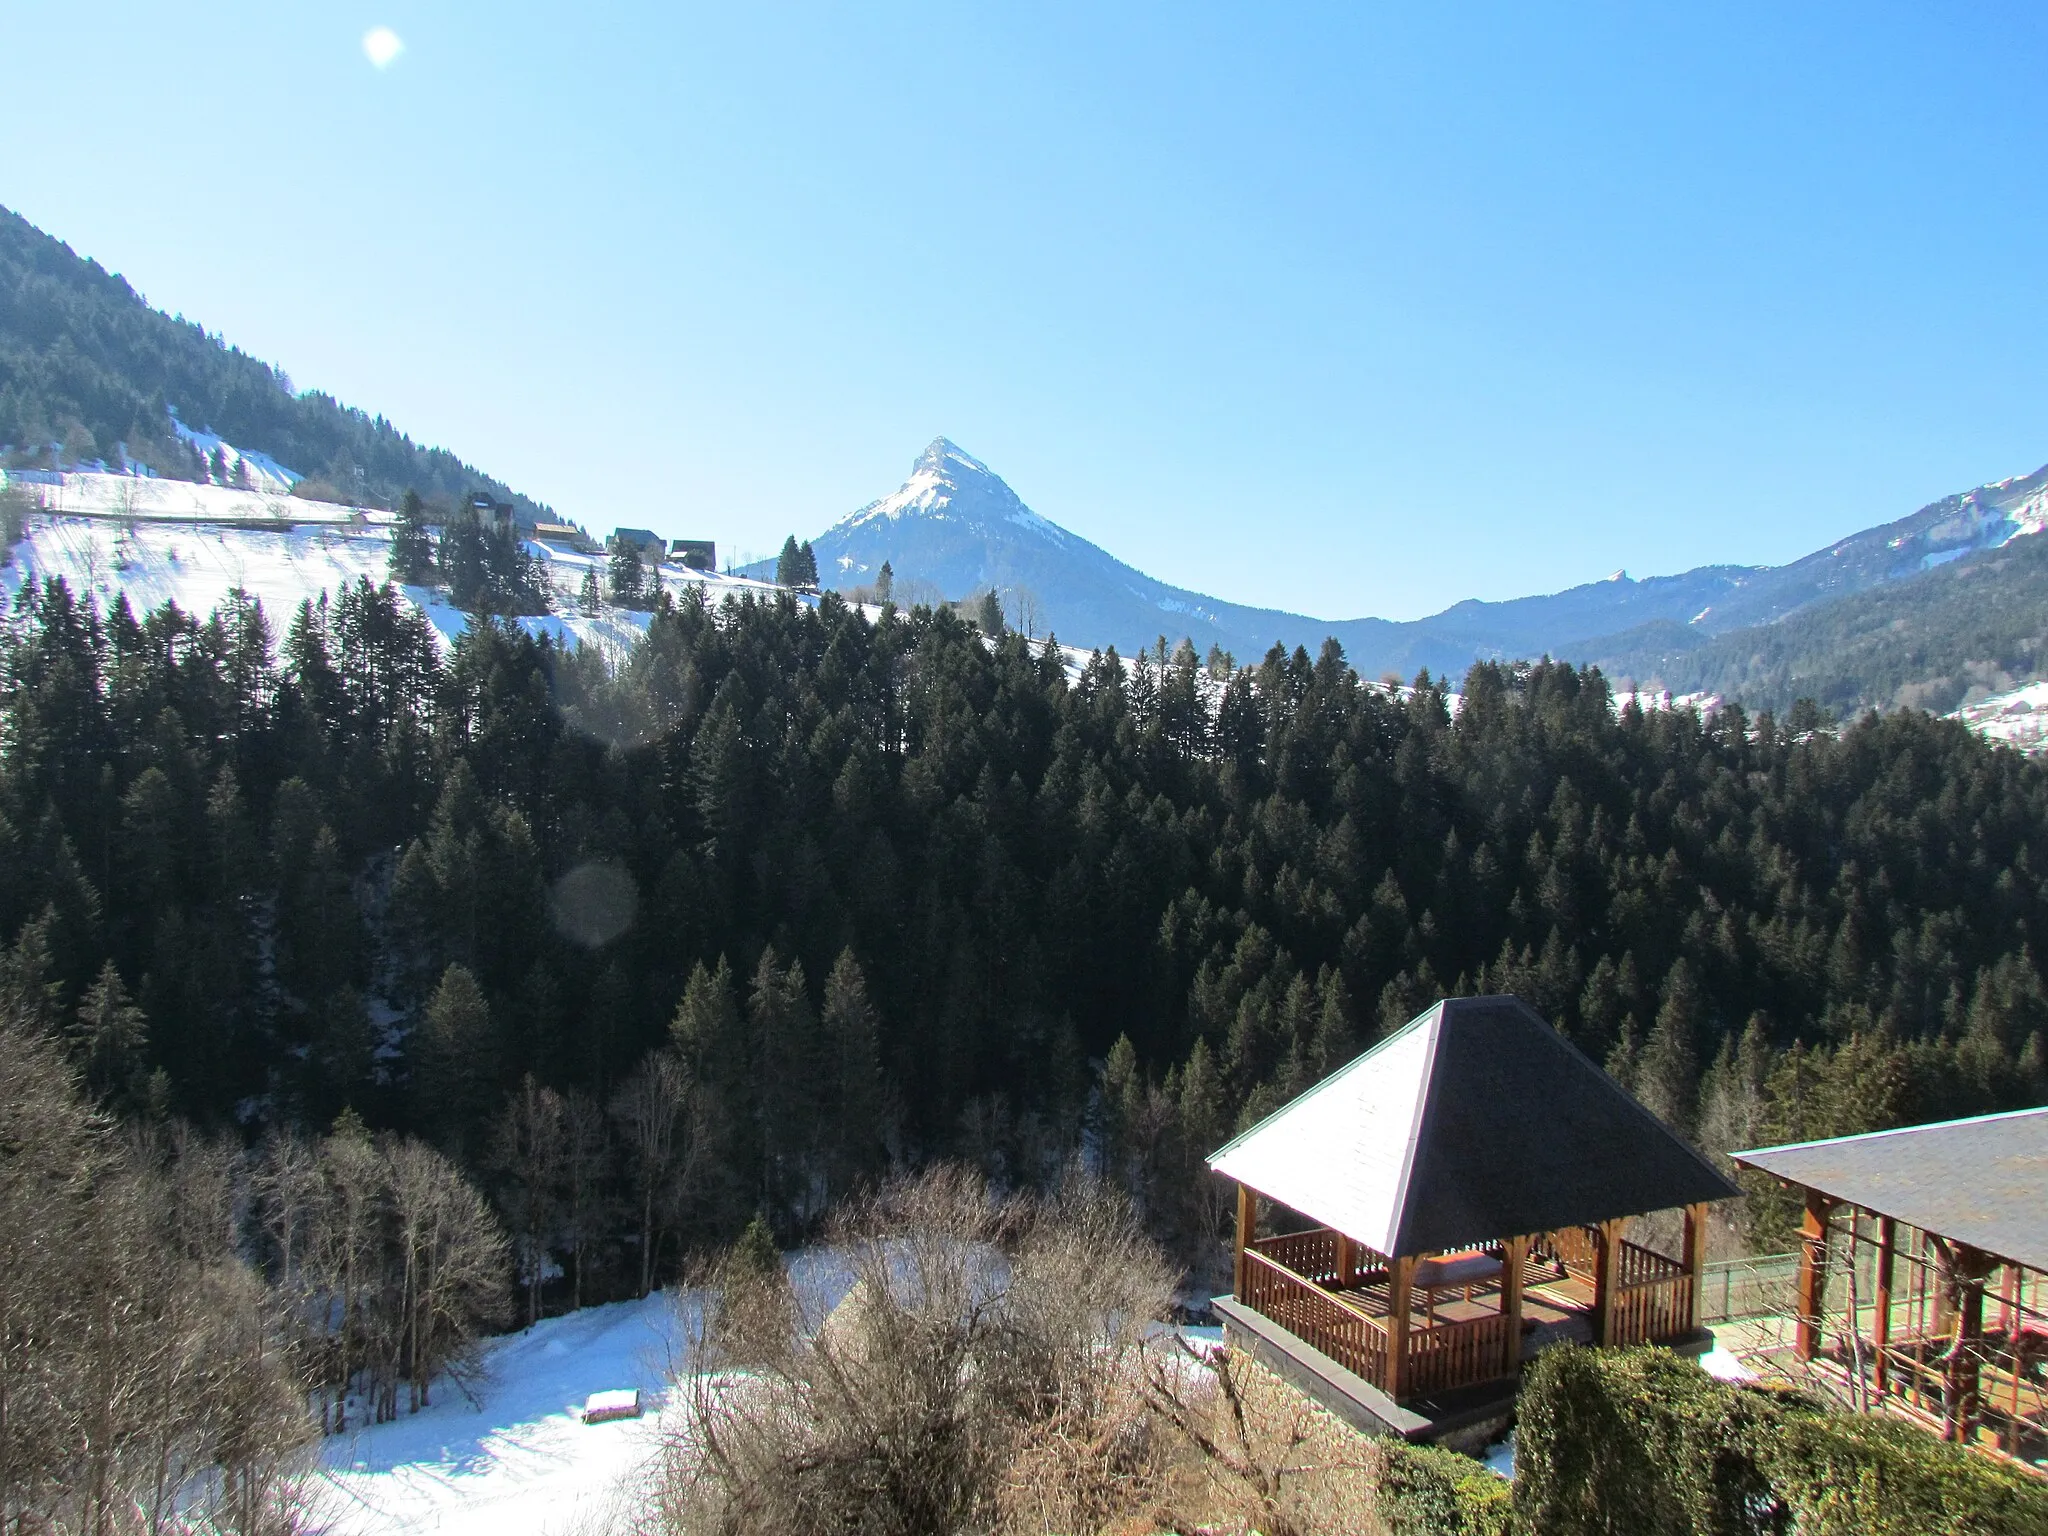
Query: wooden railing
point(1576, 1248)
point(1313, 1255)
point(1649, 1297)
point(1454, 1355)
point(1344, 1333)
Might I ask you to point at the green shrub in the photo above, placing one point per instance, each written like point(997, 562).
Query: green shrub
point(1643, 1442)
point(1424, 1491)
point(1853, 1476)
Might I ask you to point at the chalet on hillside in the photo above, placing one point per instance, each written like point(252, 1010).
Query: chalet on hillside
point(496, 516)
point(696, 554)
point(562, 536)
point(1936, 1239)
point(651, 549)
point(1451, 1202)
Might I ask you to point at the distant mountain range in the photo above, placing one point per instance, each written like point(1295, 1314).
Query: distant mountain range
point(1936, 609)
point(955, 529)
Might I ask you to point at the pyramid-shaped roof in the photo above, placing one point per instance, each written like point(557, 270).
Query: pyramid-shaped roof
point(1477, 1121)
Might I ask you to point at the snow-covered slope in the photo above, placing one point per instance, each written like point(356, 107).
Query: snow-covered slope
point(519, 1462)
point(196, 565)
point(2017, 717)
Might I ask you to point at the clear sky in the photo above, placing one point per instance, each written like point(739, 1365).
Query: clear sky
point(1347, 309)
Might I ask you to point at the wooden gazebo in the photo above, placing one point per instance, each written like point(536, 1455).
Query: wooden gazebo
point(1456, 1199)
point(1923, 1276)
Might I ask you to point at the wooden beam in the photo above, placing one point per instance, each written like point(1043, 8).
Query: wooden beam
point(1400, 1286)
point(1247, 1226)
point(1813, 1258)
point(1695, 1259)
point(1606, 1264)
point(1881, 1319)
point(1347, 1262)
point(1514, 1254)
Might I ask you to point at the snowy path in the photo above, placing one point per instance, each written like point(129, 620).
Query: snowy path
point(522, 1464)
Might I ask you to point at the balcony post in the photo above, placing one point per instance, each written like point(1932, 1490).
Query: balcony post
point(1514, 1254)
point(1247, 1224)
point(1606, 1264)
point(1881, 1319)
point(1695, 1252)
point(1813, 1258)
point(1400, 1282)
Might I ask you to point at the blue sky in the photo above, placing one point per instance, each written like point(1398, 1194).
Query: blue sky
point(1344, 309)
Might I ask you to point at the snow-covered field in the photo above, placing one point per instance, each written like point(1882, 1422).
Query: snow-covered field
point(196, 565)
point(2018, 717)
point(522, 1462)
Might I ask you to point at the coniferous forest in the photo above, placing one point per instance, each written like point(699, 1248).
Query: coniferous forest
point(790, 898)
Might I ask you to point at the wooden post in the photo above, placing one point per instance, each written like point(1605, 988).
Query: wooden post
point(1400, 1281)
point(1606, 1263)
point(1968, 1270)
point(1347, 1262)
point(1514, 1254)
point(1247, 1224)
point(1813, 1258)
point(1695, 1257)
point(1881, 1319)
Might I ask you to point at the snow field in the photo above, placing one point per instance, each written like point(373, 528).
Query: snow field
point(196, 565)
point(520, 1461)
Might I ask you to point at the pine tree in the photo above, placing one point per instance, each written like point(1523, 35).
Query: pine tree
point(885, 583)
point(589, 600)
point(807, 567)
point(853, 1074)
point(626, 576)
point(789, 564)
point(412, 548)
point(786, 1051)
point(455, 1060)
point(111, 1039)
point(989, 615)
point(1667, 1072)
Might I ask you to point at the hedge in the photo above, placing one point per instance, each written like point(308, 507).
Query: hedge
point(1640, 1442)
point(1424, 1491)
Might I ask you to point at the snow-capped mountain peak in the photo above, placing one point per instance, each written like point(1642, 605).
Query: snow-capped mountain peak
point(948, 484)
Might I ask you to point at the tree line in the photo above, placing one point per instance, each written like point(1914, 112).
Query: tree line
point(785, 897)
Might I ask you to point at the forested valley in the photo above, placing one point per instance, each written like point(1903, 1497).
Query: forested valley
point(787, 898)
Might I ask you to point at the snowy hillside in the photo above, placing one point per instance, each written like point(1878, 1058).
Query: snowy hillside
point(196, 564)
point(519, 1462)
point(2017, 717)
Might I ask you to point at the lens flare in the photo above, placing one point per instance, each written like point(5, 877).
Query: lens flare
point(381, 45)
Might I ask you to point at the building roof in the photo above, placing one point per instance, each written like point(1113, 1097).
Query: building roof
point(1983, 1182)
point(1475, 1122)
point(636, 535)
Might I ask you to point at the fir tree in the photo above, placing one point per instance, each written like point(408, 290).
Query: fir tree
point(412, 548)
point(789, 569)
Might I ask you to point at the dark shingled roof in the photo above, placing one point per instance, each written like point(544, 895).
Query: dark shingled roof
point(1477, 1121)
point(1983, 1182)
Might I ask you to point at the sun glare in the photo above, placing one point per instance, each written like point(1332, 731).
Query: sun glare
point(381, 45)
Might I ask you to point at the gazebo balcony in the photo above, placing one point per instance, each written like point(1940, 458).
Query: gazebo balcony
point(1470, 1326)
point(1470, 1180)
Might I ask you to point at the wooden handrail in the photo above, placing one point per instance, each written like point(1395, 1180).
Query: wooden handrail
point(1342, 1330)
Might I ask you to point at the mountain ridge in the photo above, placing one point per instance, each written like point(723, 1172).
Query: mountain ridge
point(955, 528)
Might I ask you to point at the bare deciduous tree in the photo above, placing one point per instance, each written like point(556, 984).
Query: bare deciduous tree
point(984, 1372)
